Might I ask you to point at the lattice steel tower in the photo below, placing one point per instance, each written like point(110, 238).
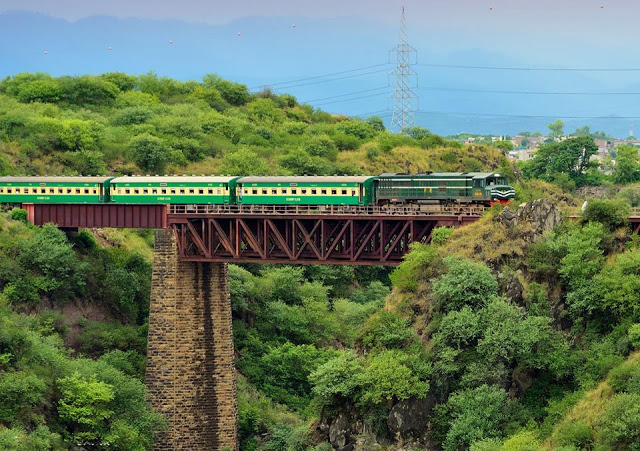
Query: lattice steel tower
point(406, 101)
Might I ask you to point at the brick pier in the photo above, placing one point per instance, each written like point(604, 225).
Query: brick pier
point(190, 370)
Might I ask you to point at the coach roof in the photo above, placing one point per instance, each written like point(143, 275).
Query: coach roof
point(307, 179)
point(173, 179)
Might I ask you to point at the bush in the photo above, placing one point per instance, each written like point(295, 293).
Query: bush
point(574, 433)
point(18, 214)
point(464, 283)
point(619, 425)
point(612, 213)
point(634, 335)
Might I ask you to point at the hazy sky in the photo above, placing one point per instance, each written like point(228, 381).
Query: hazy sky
point(335, 35)
point(570, 15)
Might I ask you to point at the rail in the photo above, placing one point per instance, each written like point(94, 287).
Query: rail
point(355, 210)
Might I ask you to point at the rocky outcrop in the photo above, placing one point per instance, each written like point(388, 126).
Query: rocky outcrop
point(540, 216)
point(409, 419)
point(596, 192)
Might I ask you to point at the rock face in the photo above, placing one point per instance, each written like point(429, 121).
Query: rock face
point(541, 215)
point(343, 431)
point(409, 419)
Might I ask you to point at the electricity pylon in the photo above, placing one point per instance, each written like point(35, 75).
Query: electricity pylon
point(406, 101)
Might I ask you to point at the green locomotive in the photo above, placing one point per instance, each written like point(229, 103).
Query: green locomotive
point(387, 189)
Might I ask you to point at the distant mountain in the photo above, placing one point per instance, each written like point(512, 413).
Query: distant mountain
point(259, 51)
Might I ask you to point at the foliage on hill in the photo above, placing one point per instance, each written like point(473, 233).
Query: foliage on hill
point(122, 124)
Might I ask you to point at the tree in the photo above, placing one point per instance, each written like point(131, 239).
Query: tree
point(150, 153)
point(583, 132)
point(391, 375)
point(627, 167)
point(570, 157)
point(464, 283)
point(556, 129)
point(243, 162)
point(234, 93)
point(84, 406)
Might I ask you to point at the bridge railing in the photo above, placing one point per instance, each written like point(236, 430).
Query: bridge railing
point(355, 210)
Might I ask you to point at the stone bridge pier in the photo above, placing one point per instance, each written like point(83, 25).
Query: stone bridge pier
point(190, 371)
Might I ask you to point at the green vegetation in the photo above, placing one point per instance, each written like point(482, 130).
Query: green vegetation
point(494, 336)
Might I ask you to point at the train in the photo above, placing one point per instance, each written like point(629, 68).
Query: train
point(444, 188)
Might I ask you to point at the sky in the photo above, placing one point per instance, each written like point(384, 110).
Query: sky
point(72, 37)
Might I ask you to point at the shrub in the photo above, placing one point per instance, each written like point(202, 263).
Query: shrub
point(619, 425)
point(612, 213)
point(573, 433)
point(18, 214)
point(464, 283)
point(634, 335)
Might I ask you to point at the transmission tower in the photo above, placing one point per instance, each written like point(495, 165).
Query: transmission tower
point(406, 101)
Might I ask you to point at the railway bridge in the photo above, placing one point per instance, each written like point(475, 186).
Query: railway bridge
point(190, 371)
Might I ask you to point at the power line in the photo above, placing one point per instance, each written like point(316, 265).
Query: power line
point(334, 79)
point(525, 116)
point(354, 98)
point(491, 91)
point(344, 95)
point(541, 69)
point(371, 113)
point(318, 76)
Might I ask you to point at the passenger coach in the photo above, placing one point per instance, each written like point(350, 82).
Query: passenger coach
point(305, 190)
point(173, 190)
point(55, 190)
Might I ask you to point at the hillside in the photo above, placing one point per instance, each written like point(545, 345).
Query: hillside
point(519, 331)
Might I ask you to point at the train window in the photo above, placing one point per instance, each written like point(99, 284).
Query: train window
point(353, 192)
point(324, 191)
point(200, 191)
point(26, 190)
point(173, 191)
point(314, 191)
point(95, 191)
point(145, 191)
point(69, 191)
point(344, 192)
point(294, 191)
point(219, 191)
point(192, 191)
point(1, 190)
point(9, 190)
point(154, 191)
point(127, 191)
point(334, 191)
point(164, 191)
point(136, 191)
point(284, 191)
point(77, 190)
point(61, 191)
point(210, 191)
point(274, 191)
point(264, 191)
point(86, 190)
point(254, 191)
point(181, 191)
point(17, 190)
point(303, 191)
